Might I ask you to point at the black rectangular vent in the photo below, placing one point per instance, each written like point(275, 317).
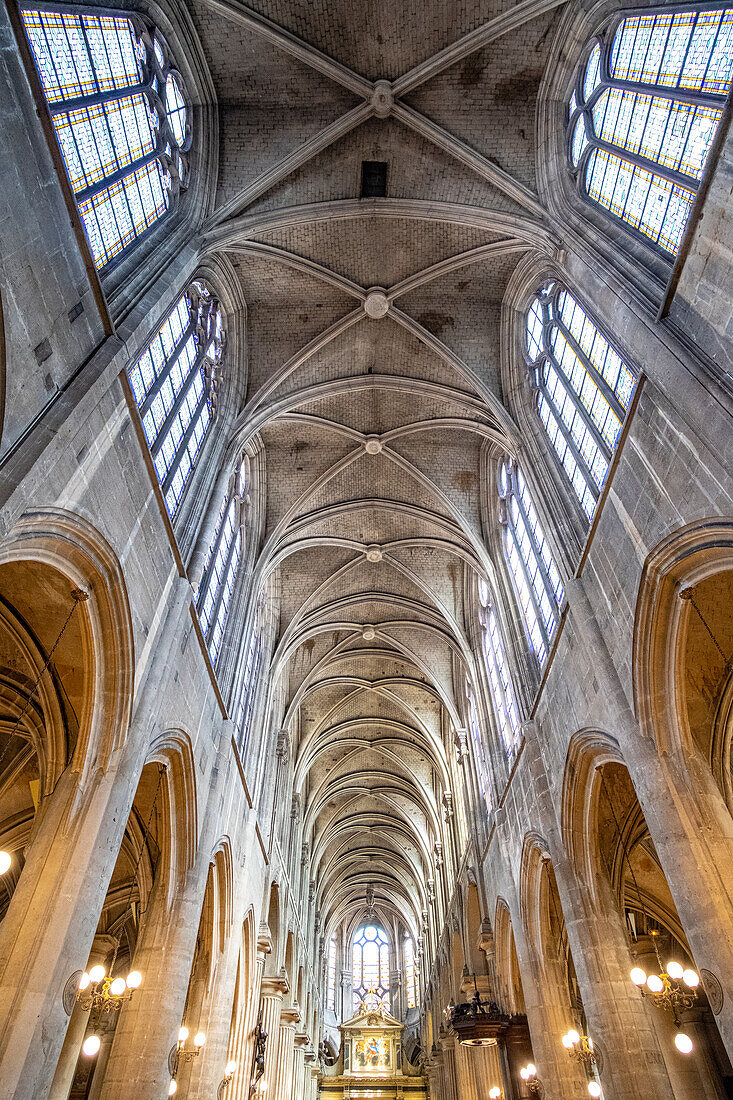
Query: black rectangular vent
point(374, 179)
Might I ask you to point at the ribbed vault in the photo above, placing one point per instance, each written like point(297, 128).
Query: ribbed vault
point(374, 391)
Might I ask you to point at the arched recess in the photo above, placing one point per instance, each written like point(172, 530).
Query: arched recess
point(509, 978)
point(608, 839)
point(47, 554)
point(274, 960)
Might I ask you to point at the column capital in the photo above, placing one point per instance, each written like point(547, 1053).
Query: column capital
point(275, 985)
point(290, 1016)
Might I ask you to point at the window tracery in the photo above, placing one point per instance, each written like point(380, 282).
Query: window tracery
point(370, 959)
point(331, 976)
point(584, 389)
point(536, 578)
point(479, 749)
point(174, 383)
point(500, 679)
point(248, 691)
point(119, 113)
point(410, 984)
point(643, 114)
point(214, 594)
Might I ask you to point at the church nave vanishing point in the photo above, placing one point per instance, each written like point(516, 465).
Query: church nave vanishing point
point(366, 550)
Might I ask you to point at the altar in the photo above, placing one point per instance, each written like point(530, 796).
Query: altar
point(371, 1065)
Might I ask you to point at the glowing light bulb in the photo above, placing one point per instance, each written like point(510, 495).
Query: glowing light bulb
point(96, 974)
point(91, 1046)
point(230, 1068)
point(683, 1043)
point(638, 976)
point(523, 1074)
point(674, 970)
point(134, 979)
point(199, 1039)
point(567, 1042)
point(84, 980)
point(573, 1036)
point(182, 1034)
point(5, 861)
point(594, 1088)
point(691, 978)
point(172, 1087)
point(655, 983)
point(495, 1093)
point(118, 987)
point(531, 1069)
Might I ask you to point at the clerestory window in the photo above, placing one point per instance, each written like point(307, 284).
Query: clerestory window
point(501, 686)
point(584, 389)
point(331, 975)
point(410, 983)
point(643, 115)
point(370, 959)
point(536, 578)
point(479, 748)
point(174, 383)
point(248, 690)
point(118, 109)
point(214, 593)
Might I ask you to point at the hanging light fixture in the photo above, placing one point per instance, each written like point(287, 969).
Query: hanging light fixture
point(98, 990)
point(226, 1080)
point(674, 988)
point(78, 595)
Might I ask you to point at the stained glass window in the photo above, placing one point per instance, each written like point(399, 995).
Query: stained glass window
point(174, 382)
point(121, 143)
point(370, 958)
point(503, 698)
point(214, 593)
point(479, 748)
point(643, 115)
point(331, 976)
point(584, 389)
point(536, 578)
point(410, 984)
point(250, 679)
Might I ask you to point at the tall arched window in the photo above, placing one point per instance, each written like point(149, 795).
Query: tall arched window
point(479, 748)
point(248, 691)
point(370, 959)
point(535, 575)
point(120, 117)
point(500, 679)
point(174, 383)
point(214, 593)
point(331, 975)
point(583, 389)
point(410, 984)
point(643, 115)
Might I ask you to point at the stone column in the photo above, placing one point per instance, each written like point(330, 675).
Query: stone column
point(450, 1081)
point(299, 1067)
point(273, 991)
point(207, 529)
point(690, 825)
point(617, 1021)
point(102, 948)
point(244, 1049)
point(289, 1017)
point(50, 923)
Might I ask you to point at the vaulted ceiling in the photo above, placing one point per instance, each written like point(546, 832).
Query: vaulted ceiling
point(374, 377)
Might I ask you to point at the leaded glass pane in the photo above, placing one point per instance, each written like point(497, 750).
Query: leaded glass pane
point(116, 215)
point(500, 682)
point(100, 140)
point(370, 959)
point(175, 109)
point(79, 55)
point(687, 50)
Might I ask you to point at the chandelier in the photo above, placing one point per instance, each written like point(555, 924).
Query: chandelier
point(674, 989)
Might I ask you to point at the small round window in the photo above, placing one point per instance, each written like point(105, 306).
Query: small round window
point(175, 110)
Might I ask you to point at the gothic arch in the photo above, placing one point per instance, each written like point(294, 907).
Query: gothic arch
point(68, 544)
